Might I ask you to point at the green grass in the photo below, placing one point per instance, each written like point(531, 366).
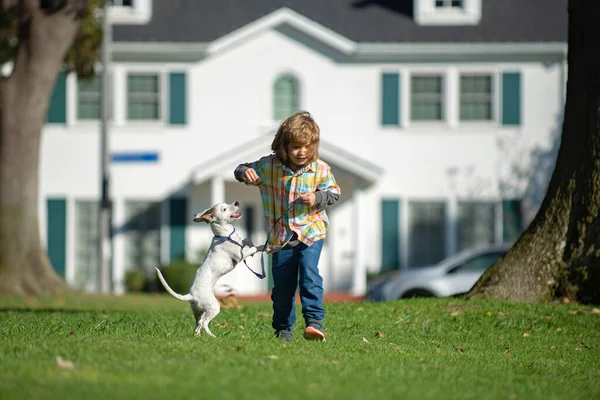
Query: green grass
point(143, 347)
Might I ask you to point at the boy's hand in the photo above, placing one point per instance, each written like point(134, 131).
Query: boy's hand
point(251, 177)
point(308, 199)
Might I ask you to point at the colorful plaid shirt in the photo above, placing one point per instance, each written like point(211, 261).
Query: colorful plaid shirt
point(280, 187)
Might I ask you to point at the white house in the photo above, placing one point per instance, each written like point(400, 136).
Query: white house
point(440, 120)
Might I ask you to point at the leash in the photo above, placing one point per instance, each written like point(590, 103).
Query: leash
point(229, 239)
point(263, 274)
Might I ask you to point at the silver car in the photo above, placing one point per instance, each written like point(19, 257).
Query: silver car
point(450, 277)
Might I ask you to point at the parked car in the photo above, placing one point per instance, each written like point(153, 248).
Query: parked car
point(450, 277)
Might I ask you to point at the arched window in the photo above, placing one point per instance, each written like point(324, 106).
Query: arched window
point(286, 97)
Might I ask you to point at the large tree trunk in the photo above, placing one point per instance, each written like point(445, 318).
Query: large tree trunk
point(559, 253)
point(46, 35)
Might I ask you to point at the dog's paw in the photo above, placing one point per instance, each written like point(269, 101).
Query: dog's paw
point(250, 251)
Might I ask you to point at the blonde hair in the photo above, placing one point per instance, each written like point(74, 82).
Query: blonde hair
point(299, 129)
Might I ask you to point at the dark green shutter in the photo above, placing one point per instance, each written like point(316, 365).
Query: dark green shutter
point(390, 235)
point(177, 225)
point(511, 98)
point(56, 234)
point(390, 99)
point(57, 110)
point(512, 220)
point(177, 97)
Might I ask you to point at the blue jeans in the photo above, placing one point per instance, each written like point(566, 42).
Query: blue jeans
point(292, 267)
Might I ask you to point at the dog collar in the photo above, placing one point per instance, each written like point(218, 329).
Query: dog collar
point(227, 238)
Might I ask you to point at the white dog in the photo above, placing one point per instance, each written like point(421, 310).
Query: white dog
point(226, 250)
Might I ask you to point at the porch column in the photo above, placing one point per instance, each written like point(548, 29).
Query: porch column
point(359, 278)
point(217, 190)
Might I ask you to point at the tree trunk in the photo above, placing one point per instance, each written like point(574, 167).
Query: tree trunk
point(559, 253)
point(45, 38)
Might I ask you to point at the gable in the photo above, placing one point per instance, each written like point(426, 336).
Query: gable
point(224, 164)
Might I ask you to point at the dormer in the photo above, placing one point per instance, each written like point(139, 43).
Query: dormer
point(130, 12)
point(447, 12)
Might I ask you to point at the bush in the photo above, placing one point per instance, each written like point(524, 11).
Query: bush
point(179, 275)
point(135, 281)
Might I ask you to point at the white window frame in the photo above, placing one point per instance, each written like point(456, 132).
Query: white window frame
point(298, 81)
point(426, 13)
point(450, 98)
point(139, 13)
point(443, 96)
point(162, 97)
point(495, 74)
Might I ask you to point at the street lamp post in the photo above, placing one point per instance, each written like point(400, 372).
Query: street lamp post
point(105, 211)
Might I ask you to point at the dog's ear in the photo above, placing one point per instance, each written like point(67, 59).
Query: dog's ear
point(206, 216)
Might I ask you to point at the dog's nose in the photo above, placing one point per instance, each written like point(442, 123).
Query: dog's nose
point(236, 203)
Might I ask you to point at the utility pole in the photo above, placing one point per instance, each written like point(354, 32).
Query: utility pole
point(105, 211)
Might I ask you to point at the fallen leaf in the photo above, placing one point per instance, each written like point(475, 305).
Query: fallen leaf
point(380, 335)
point(272, 357)
point(552, 347)
point(64, 364)
point(456, 333)
point(456, 313)
point(508, 347)
point(72, 332)
point(501, 314)
point(240, 348)
point(336, 362)
point(365, 340)
point(558, 329)
point(459, 350)
point(241, 327)
point(547, 317)
point(525, 334)
point(479, 321)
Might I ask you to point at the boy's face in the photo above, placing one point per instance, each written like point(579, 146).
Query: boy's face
point(299, 154)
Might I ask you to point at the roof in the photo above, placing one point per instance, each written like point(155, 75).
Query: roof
point(361, 21)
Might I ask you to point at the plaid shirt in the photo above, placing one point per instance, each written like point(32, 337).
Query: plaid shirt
point(280, 187)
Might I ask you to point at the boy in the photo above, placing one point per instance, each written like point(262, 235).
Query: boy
point(295, 184)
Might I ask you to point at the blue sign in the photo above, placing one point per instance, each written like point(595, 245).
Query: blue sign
point(134, 157)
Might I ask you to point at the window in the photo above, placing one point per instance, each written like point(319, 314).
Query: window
point(426, 98)
point(475, 98)
point(427, 233)
point(122, 3)
point(86, 245)
point(89, 97)
point(143, 96)
point(476, 224)
point(481, 262)
point(448, 3)
point(142, 235)
point(286, 97)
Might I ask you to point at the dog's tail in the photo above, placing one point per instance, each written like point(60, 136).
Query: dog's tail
point(186, 297)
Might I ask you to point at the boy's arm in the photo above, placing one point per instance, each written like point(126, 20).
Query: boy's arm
point(239, 172)
point(328, 192)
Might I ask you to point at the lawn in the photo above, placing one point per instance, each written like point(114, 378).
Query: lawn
point(143, 347)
